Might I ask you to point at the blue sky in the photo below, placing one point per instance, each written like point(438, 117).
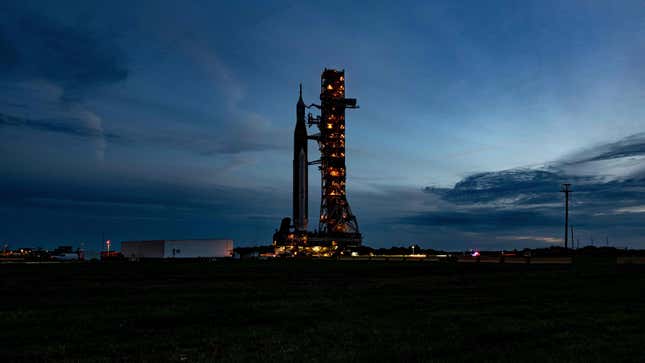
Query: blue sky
point(167, 120)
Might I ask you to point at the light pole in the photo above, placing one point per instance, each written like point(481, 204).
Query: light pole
point(566, 190)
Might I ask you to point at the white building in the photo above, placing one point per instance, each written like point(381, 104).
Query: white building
point(190, 248)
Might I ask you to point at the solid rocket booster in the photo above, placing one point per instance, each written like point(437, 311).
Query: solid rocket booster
point(300, 166)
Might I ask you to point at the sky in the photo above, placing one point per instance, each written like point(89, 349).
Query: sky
point(169, 120)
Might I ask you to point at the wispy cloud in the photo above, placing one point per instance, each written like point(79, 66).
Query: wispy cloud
point(75, 127)
point(633, 209)
point(621, 159)
point(631, 146)
point(535, 238)
point(85, 124)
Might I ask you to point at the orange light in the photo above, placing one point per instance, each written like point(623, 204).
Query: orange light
point(329, 126)
point(329, 87)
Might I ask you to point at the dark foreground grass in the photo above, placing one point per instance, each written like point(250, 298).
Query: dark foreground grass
point(321, 311)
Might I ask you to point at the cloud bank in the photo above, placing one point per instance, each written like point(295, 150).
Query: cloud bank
point(512, 205)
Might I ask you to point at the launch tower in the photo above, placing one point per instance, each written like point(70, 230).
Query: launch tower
point(336, 217)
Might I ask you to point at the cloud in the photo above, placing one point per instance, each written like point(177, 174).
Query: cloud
point(51, 67)
point(246, 134)
point(85, 124)
point(494, 187)
point(535, 238)
point(69, 211)
point(485, 219)
point(524, 201)
point(36, 47)
point(244, 130)
point(631, 146)
point(88, 126)
point(50, 112)
point(618, 160)
point(39, 55)
point(633, 209)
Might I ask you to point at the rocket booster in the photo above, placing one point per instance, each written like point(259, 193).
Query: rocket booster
point(300, 168)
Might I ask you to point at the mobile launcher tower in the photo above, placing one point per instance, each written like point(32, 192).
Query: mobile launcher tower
point(337, 227)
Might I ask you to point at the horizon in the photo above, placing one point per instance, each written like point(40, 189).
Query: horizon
point(136, 123)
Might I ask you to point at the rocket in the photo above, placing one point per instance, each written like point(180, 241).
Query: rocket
point(300, 165)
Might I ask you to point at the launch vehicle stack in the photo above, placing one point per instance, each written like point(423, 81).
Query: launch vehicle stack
point(337, 227)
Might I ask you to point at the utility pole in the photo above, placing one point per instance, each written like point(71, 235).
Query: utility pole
point(566, 189)
point(573, 242)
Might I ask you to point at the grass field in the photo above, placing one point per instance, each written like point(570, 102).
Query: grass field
point(298, 310)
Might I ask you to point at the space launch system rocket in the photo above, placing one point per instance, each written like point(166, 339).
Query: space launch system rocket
point(300, 166)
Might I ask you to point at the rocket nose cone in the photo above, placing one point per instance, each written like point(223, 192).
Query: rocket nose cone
point(300, 101)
